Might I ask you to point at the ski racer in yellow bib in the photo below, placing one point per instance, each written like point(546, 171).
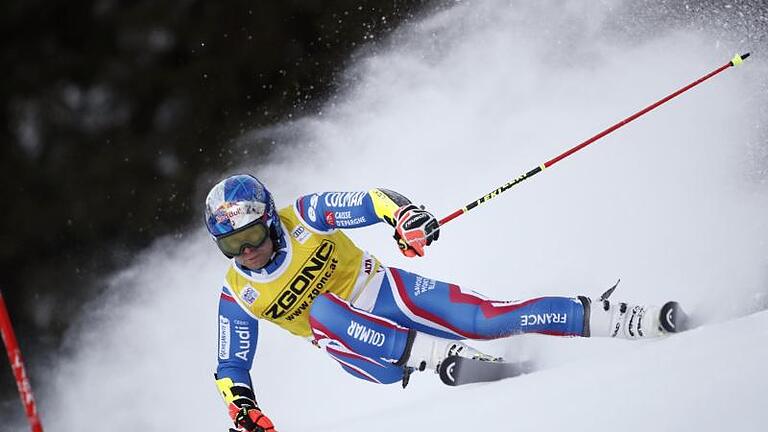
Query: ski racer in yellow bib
point(297, 269)
point(316, 264)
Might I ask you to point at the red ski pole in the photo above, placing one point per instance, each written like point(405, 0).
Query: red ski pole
point(14, 355)
point(735, 61)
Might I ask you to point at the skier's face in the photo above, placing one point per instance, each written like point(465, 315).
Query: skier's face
point(256, 258)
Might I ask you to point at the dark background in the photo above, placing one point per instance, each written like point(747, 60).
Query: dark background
point(111, 113)
point(113, 110)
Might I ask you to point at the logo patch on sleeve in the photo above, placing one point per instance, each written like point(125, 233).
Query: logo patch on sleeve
point(249, 295)
point(330, 220)
point(224, 337)
point(312, 210)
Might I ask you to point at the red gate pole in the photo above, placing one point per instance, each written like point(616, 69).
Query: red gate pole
point(14, 356)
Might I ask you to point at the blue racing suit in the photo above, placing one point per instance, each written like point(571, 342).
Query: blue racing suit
point(364, 318)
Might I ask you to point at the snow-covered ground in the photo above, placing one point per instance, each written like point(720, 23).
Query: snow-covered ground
point(453, 106)
point(711, 378)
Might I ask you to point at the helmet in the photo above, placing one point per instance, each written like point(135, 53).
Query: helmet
point(240, 212)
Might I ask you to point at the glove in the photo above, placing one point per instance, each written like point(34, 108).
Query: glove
point(415, 228)
point(242, 407)
point(250, 419)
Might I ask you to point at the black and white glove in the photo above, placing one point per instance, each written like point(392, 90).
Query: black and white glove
point(415, 228)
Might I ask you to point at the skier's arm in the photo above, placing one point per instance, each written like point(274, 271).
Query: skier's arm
point(238, 333)
point(415, 228)
point(330, 210)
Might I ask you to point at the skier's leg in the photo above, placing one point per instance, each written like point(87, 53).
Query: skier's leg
point(366, 346)
point(441, 313)
point(445, 310)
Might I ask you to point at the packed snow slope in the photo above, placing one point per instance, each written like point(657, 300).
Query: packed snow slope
point(454, 105)
point(709, 379)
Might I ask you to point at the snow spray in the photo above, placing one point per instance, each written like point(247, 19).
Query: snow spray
point(735, 61)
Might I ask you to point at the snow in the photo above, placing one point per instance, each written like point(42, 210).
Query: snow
point(707, 379)
point(460, 103)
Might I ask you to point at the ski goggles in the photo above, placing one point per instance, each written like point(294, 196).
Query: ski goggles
point(252, 235)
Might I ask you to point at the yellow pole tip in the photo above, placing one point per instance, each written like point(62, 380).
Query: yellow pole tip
point(737, 60)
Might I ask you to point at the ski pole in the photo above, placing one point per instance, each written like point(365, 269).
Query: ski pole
point(14, 355)
point(735, 61)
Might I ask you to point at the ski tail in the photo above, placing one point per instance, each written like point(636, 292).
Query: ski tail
point(456, 370)
point(672, 318)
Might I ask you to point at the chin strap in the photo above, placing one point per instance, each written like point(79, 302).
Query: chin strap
point(277, 235)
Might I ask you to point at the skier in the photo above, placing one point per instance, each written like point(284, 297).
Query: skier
point(296, 268)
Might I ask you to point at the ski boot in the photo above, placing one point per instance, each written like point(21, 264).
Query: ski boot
point(457, 363)
point(605, 319)
point(427, 352)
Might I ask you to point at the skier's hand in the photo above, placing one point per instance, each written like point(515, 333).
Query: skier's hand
point(250, 419)
point(415, 229)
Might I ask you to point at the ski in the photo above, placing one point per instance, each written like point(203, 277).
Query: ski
point(456, 371)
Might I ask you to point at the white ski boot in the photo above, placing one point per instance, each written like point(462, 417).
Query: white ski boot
point(427, 352)
point(603, 318)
